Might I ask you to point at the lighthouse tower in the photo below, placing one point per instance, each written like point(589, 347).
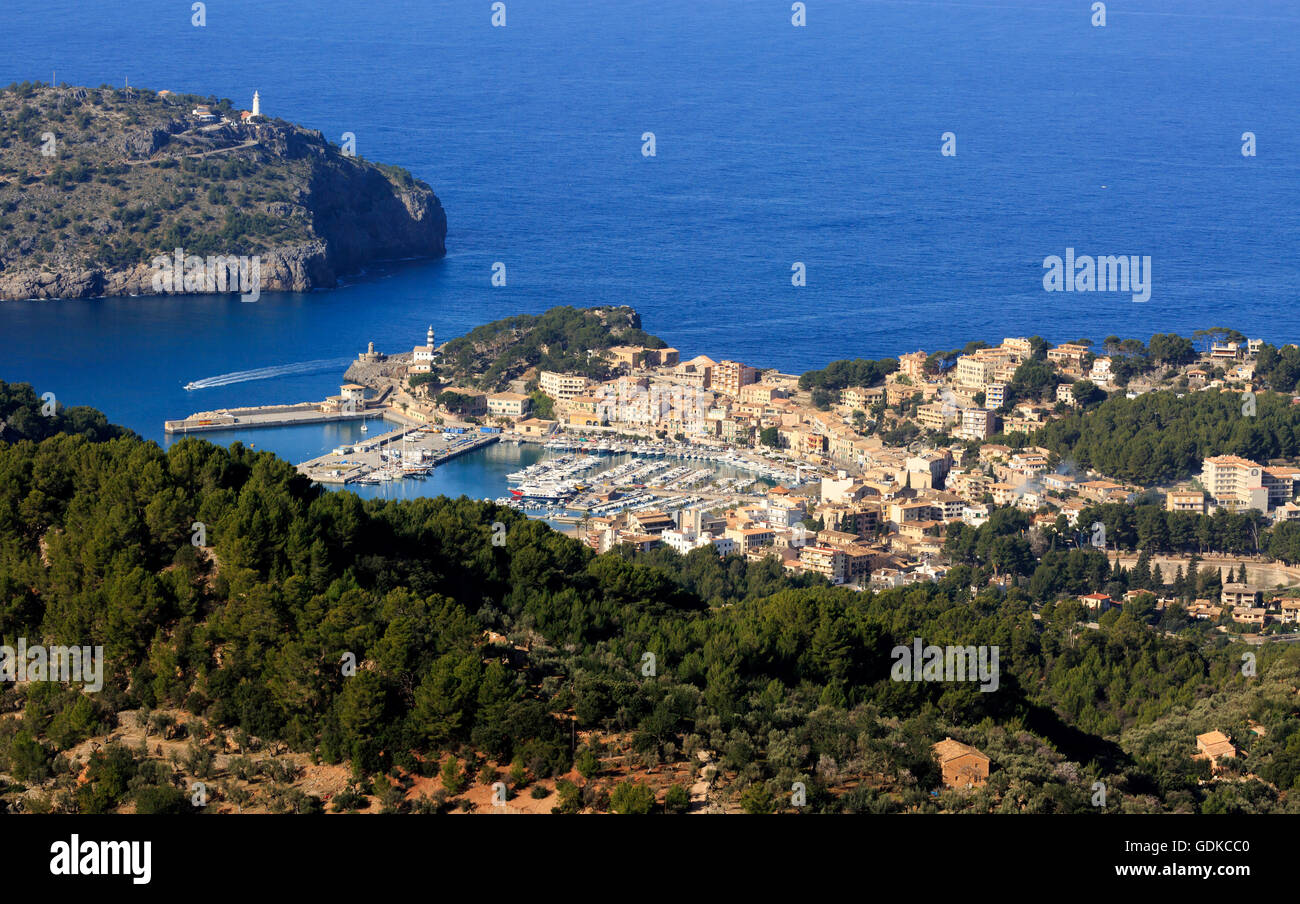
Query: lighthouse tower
point(257, 104)
point(428, 339)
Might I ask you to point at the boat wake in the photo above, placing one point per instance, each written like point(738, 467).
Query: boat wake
point(267, 373)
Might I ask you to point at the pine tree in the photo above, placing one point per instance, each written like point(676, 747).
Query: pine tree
point(1140, 577)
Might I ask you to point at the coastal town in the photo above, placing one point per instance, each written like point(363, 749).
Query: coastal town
point(860, 484)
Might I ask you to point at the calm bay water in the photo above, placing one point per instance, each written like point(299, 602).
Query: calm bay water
point(774, 145)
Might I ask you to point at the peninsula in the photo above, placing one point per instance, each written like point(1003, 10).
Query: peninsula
point(96, 184)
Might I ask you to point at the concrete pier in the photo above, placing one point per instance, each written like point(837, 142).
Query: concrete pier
point(268, 416)
point(430, 446)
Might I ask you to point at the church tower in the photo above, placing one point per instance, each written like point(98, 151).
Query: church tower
point(257, 104)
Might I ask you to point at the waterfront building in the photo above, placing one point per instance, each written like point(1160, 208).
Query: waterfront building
point(562, 386)
point(422, 356)
point(537, 427)
point(508, 404)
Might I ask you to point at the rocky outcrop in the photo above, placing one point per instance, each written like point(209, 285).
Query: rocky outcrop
point(340, 213)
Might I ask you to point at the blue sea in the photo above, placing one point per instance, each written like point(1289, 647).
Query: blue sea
point(774, 144)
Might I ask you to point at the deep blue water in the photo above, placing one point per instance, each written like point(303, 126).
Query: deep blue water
point(774, 144)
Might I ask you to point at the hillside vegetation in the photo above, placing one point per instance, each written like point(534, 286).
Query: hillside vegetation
point(780, 679)
point(1158, 438)
point(95, 182)
point(490, 356)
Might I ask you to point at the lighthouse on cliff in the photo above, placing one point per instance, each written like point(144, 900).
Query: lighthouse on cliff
point(257, 104)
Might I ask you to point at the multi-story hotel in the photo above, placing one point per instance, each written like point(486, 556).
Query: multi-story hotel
point(1235, 483)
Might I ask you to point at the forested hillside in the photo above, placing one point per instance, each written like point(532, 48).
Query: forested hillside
point(491, 355)
point(1158, 437)
point(781, 680)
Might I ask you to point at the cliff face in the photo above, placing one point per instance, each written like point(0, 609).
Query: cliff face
point(134, 176)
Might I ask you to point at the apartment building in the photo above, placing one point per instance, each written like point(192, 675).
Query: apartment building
point(632, 357)
point(977, 423)
point(995, 395)
point(861, 398)
point(729, 377)
point(1185, 501)
point(828, 561)
point(862, 519)
point(697, 372)
point(913, 365)
point(683, 541)
point(936, 416)
point(562, 386)
point(650, 522)
point(761, 393)
point(749, 539)
point(978, 370)
point(1018, 346)
point(1068, 355)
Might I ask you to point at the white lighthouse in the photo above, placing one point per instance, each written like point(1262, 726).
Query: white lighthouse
point(422, 355)
point(257, 104)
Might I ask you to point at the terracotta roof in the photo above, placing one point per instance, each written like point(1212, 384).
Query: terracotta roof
point(948, 749)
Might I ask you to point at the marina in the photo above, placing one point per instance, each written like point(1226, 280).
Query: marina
point(408, 453)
